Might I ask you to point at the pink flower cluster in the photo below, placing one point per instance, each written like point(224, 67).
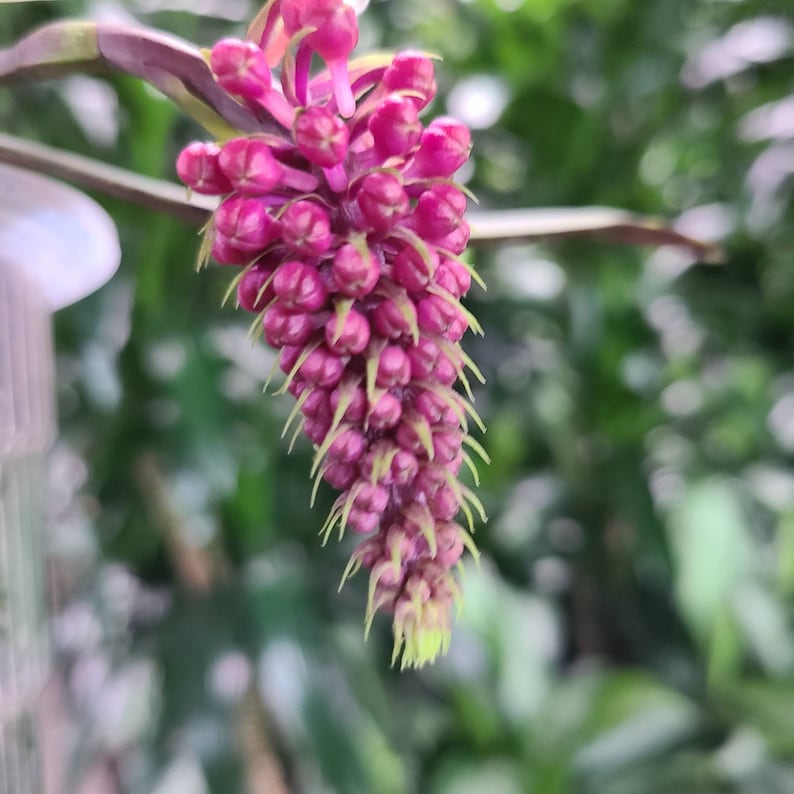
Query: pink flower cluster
point(349, 227)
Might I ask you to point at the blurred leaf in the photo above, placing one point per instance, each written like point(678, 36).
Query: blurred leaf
point(712, 556)
point(177, 70)
point(767, 705)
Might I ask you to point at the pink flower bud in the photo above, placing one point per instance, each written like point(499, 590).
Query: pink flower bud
point(226, 253)
point(316, 431)
point(318, 405)
point(401, 542)
point(429, 479)
point(395, 126)
point(240, 68)
point(363, 522)
point(322, 368)
point(348, 447)
point(404, 467)
point(443, 149)
point(250, 166)
point(446, 445)
point(378, 461)
point(453, 277)
point(455, 242)
point(394, 368)
point(413, 271)
point(408, 436)
point(339, 475)
point(283, 327)
point(286, 362)
point(390, 320)
point(299, 286)
point(438, 212)
point(436, 316)
point(369, 551)
point(449, 543)
point(443, 504)
point(347, 335)
point(434, 408)
point(357, 408)
point(296, 386)
point(417, 589)
point(306, 228)
point(387, 577)
point(412, 72)
point(355, 275)
point(252, 294)
point(245, 223)
point(429, 363)
point(198, 167)
point(382, 200)
point(321, 137)
point(372, 498)
point(385, 413)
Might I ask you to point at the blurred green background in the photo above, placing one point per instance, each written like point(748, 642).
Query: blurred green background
point(629, 630)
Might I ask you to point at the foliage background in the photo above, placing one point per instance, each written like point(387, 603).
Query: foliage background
point(630, 627)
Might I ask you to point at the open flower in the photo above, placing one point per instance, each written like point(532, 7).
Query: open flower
point(350, 229)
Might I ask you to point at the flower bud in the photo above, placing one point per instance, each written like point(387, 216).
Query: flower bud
point(250, 166)
point(306, 228)
point(240, 68)
point(395, 126)
point(339, 475)
point(455, 242)
point(453, 277)
point(438, 317)
point(316, 431)
point(299, 287)
point(414, 73)
point(197, 166)
point(393, 320)
point(245, 223)
point(446, 445)
point(372, 498)
point(318, 405)
point(414, 271)
point(283, 327)
point(287, 360)
point(443, 149)
point(394, 368)
point(347, 335)
point(434, 408)
point(355, 274)
point(385, 413)
point(348, 447)
point(449, 543)
point(439, 211)
point(403, 468)
point(382, 200)
point(410, 437)
point(322, 368)
point(226, 253)
point(357, 403)
point(252, 294)
point(429, 363)
point(321, 137)
point(363, 522)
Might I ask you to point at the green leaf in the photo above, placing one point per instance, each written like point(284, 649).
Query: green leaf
point(712, 557)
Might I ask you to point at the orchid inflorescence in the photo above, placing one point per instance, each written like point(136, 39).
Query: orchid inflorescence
point(345, 217)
